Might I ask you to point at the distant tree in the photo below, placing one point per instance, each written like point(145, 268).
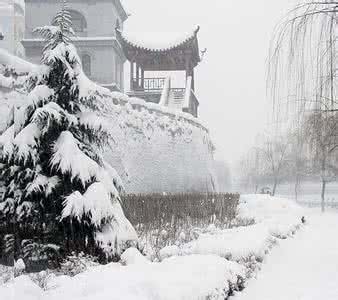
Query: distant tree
point(250, 171)
point(56, 180)
point(275, 157)
point(321, 131)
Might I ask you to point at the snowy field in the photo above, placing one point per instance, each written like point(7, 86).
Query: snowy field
point(213, 266)
point(302, 268)
point(309, 194)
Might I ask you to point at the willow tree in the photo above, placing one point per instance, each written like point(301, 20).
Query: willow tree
point(302, 72)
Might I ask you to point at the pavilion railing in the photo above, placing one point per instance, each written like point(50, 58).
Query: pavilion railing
point(149, 84)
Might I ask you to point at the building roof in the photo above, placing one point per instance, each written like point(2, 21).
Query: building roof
point(161, 52)
point(158, 42)
point(121, 10)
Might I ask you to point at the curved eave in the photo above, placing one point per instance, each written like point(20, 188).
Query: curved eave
point(189, 43)
point(122, 11)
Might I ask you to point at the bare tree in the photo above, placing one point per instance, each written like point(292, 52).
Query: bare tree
point(250, 171)
point(302, 78)
point(298, 160)
point(275, 158)
point(321, 131)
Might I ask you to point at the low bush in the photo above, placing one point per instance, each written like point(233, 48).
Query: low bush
point(168, 219)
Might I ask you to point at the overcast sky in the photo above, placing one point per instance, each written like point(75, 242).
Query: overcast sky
point(231, 78)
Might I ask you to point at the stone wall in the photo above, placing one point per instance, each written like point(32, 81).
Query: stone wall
point(155, 149)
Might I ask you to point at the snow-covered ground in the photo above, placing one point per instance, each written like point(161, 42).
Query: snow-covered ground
point(207, 268)
point(302, 268)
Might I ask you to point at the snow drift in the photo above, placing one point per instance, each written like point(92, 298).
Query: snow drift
point(275, 218)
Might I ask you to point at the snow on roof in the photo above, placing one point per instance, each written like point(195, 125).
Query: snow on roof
point(158, 41)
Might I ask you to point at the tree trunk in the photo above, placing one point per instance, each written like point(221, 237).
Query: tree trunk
point(323, 195)
point(296, 188)
point(274, 188)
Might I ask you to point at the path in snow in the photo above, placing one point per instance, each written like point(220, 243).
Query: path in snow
point(301, 268)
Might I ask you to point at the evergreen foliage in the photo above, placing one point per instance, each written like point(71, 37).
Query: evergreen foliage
point(58, 187)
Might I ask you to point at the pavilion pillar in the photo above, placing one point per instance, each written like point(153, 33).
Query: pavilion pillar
point(138, 75)
point(142, 78)
point(131, 75)
point(193, 80)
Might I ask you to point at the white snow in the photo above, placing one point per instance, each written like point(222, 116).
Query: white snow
point(6, 141)
point(178, 278)
point(19, 265)
point(6, 82)
point(238, 244)
point(302, 268)
point(115, 236)
point(68, 158)
point(132, 256)
point(25, 142)
point(94, 203)
point(157, 41)
point(276, 218)
point(43, 184)
point(12, 61)
point(39, 95)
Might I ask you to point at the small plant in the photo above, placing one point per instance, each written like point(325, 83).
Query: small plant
point(75, 264)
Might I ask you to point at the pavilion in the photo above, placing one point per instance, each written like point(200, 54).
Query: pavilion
point(181, 55)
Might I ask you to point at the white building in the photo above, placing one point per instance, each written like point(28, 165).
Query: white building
point(12, 24)
point(94, 22)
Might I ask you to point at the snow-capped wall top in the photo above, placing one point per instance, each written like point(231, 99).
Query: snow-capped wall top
point(157, 41)
point(12, 61)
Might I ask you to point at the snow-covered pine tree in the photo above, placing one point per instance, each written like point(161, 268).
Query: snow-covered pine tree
point(58, 187)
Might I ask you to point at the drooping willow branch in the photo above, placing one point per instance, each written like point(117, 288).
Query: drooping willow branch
point(302, 62)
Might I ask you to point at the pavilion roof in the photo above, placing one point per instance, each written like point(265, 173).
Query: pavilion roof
point(147, 46)
point(160, 42)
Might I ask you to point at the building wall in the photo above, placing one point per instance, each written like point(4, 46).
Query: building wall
point(12, 24)
point(101, 16)
point(103, 60)
point(97, 40)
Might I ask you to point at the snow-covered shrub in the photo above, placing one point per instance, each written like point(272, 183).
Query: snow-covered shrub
point(19, 267)
point(58, 186)
point(6, 274)
point(132, 256)
point(40, 256)
point(77, 263)
point(41, 279)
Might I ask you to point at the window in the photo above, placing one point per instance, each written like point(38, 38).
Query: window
point(79, 23)
point(86, 64)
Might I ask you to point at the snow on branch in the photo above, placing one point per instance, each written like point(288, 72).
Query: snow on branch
point(66, 54)
point(6, 141)
point(25, 142)
point(94, 204)
point(40, 95)
point(69, 159)
point(42, 184)
point(114, 236)
point(52, 112)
